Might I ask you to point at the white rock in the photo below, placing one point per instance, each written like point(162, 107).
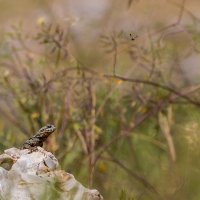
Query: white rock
point(35, 175)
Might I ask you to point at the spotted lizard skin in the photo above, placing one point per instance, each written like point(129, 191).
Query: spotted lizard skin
point(39, 137)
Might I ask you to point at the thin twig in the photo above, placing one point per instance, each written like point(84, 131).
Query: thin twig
point(151, 83)
point(165, 127)
point(132, 80)
point(137, 123)
point(181, 12)
point(115, 55)
point(139, 178)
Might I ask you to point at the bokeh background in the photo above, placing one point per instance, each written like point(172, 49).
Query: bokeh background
point(119, 79)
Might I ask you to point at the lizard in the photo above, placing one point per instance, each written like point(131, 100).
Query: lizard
point(38, 139)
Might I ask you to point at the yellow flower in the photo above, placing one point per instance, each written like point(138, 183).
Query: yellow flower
point(23, 100)
point(103, 168)
point(6, 73)
point(119, 82)
point(35, 115)
point(41, 21)
point(142, 109)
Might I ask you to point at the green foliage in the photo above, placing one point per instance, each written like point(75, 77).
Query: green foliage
point(124, 196)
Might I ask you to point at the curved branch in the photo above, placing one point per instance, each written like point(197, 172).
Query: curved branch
point(151, 83)
point(137, 177)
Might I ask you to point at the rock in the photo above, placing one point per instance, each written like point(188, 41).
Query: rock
point(36, 175)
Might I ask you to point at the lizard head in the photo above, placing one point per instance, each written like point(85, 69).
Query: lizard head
point(49, 128)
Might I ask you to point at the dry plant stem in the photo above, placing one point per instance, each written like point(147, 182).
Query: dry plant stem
point(159, 106)
point(165, 127)
point(177, 22)
point(58, 57)
point(15, 122)
point(131, 80)
point(66, 115)
point(147, 82)
point(187, 91)
point(142, 118)
point(21, 106)
point(180, 15)
point(164, 87)
point(153, 64)
point(91, 135)
point(115, 55)
point(137, 177)
point(184, 9)
point(100, 108)
point(130, 172)
point(155, 142)
point(140, 97)
point(152, 112)
point(83, 142)
point(16, 55)
point(181, 12)
point(63, 153)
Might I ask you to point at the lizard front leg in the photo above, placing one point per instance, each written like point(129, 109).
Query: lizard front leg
point(32, 144)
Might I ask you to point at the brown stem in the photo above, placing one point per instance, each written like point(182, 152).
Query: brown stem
point(137, 177)
point(151, 83)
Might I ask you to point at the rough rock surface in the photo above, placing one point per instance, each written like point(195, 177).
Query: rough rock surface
point(36, 175)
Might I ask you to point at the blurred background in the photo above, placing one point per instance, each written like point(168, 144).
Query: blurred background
point(119, 79)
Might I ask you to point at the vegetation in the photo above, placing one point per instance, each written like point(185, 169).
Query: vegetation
point(126, 112)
